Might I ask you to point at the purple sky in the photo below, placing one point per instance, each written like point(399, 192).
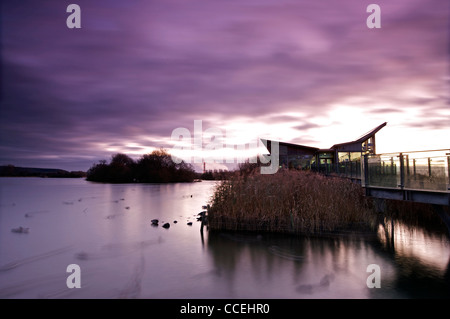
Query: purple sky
point(307, 72)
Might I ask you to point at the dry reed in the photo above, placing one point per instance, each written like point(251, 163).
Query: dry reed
point(290, 202)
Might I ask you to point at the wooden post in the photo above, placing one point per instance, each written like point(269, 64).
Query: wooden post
point(429, 166)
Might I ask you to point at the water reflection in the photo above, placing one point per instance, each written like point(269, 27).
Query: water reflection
point(126, 257)
point(276, 266)
point(421, 256)
point(414, 264)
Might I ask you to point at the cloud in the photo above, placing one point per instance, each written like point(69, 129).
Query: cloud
point(306, 126)
point(137, 70)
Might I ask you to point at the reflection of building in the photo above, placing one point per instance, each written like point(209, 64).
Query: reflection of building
point(301, 156)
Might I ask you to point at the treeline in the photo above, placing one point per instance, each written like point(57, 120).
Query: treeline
point(244, 169)
point(215, 175)
point(157, 167)
point(14, 171)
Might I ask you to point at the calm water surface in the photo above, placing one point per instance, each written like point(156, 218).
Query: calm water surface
point(106, 230)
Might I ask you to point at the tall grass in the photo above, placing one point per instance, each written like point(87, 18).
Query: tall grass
point(289, 201)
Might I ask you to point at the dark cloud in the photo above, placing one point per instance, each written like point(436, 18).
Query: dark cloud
point(306, 126)
point(429, 124)
point(386, 110)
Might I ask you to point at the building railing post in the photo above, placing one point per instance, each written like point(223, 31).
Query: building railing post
point(365, 171)
point(429, 166)
point(402, 171)
point(392, 166)
point(448, 170)
point(407, 165)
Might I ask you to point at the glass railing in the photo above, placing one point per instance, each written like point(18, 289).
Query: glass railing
point(424, 170)
point(347, 169)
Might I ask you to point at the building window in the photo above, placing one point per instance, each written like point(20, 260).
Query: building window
point(349, 156)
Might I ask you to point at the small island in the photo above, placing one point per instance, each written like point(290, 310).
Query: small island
point(156, 167)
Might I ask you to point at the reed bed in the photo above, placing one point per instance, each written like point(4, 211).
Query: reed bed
point(289, 202)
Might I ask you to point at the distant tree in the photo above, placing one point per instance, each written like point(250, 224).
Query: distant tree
point(120, 159)
point(10, 170)
point(185, 172)
point(159, 167)
point(249, 167)
point(77, 174)
point(156, 167)
point(220, 174)
point(98, 172)
point(208, 175)
point(121, 169)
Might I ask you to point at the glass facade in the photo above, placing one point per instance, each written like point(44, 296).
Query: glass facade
point(349, 156)
point(343, 159)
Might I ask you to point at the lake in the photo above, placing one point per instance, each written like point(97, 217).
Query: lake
point(106, 230)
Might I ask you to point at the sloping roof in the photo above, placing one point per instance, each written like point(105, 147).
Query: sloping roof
point(364, 137)
point(291, 145)
point(360, 139)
